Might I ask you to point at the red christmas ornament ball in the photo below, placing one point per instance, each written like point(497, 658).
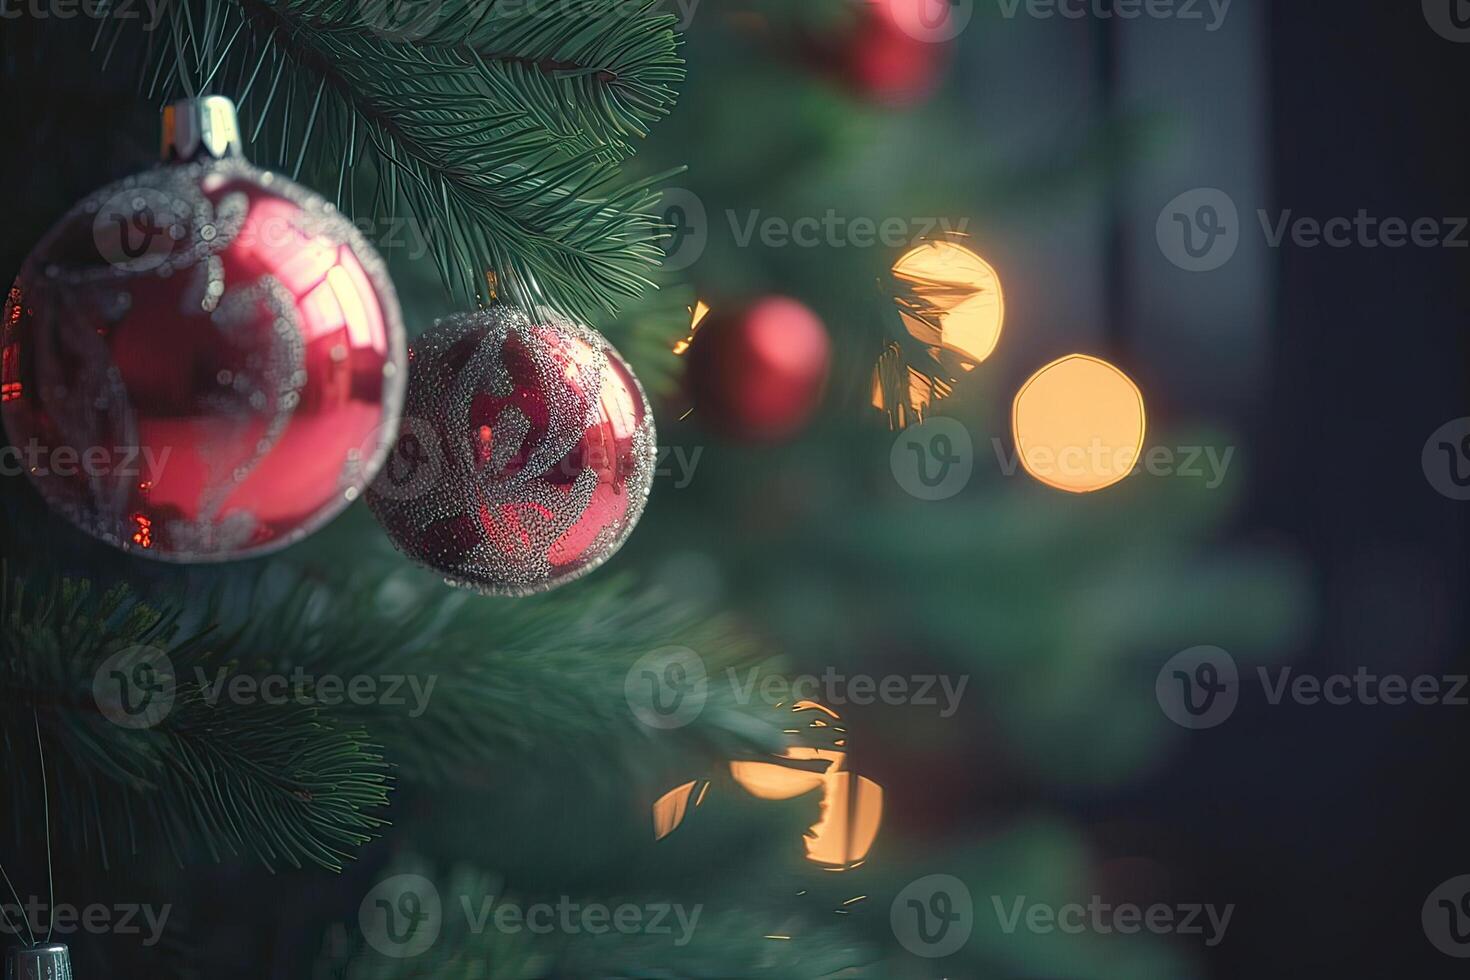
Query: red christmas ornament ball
point(757, 373)
point(895, 53)
point(205, 361)
point(525, 457)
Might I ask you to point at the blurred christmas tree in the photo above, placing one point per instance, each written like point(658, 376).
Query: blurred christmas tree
point(503, 138)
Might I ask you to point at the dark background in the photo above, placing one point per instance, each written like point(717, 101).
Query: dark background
point(1330, 824)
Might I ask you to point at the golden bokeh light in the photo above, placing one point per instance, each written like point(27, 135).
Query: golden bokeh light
point(852, 812)
point(954, 302)
point(670, 809)
point(950, 301)
point(697, 313)
point(1079, 424)
point(851, 805)
point(773, 781)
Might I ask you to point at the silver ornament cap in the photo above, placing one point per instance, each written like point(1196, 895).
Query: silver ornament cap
point(205, 128)
point(51, 962)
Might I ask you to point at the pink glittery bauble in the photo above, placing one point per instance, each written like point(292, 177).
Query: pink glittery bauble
point(203, 362)
point(526, 454)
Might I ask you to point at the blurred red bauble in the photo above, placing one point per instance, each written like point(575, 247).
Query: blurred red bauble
point(525, 457)
point(895, 52)
point(203, 362)
point(757, 373)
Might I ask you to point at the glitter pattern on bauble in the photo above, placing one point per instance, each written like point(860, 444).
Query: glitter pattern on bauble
point(526, 453)
point(207, 359)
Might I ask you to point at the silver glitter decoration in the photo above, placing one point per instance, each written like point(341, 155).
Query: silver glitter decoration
point(505, 489)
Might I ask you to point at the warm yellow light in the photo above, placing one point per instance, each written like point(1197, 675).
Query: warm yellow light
point(852, 812)
point(772, 781)
point(669, 810)
point(851, 805)
point(1079, 424)
point(698, 313)
point(955, 303)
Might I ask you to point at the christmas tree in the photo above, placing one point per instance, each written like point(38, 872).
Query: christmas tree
point(364, 772)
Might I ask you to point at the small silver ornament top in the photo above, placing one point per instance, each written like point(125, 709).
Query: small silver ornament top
point(50, 962)
point(202, 128)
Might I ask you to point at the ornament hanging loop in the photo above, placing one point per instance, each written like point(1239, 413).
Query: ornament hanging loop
point(48, 960)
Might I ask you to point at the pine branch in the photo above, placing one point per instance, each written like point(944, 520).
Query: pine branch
point(502, 131)
point(455, 687)
point(285, 785)
point(498, 680)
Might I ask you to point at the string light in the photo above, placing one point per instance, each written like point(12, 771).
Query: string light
point(1079, 424)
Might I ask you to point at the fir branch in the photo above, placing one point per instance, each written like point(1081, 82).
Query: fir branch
point(292, 780)
point(285, 785)
point(502, 130)
point(508, 678)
